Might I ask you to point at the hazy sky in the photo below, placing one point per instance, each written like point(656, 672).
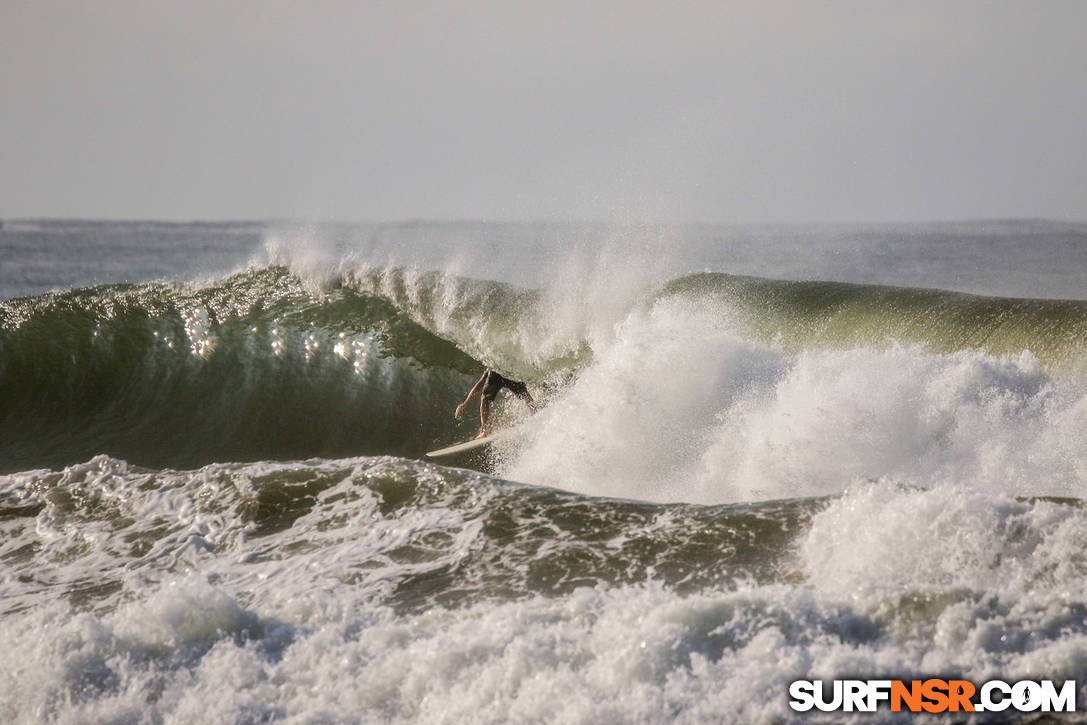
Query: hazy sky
point(619, 109)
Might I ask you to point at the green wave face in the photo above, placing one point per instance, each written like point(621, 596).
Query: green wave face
point(799, 315)
point(252, 367)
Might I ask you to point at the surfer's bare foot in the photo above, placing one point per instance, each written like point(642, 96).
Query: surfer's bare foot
point(482, 434)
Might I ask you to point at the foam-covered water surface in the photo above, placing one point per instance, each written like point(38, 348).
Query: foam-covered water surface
point(323, 589)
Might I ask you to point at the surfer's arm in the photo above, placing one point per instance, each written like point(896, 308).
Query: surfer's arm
point(471, 394)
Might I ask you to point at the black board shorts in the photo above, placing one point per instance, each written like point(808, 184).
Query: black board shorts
point(495, 382)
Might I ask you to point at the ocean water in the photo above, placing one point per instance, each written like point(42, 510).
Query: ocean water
point(764, 454)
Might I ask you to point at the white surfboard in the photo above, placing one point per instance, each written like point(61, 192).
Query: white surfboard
point(463, 447)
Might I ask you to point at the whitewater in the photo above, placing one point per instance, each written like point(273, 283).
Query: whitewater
point(763, 454)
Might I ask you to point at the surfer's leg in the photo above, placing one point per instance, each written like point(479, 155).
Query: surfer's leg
point(484, 414)
point(492, 383)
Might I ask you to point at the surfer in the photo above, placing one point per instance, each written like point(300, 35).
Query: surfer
point(490, 383)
